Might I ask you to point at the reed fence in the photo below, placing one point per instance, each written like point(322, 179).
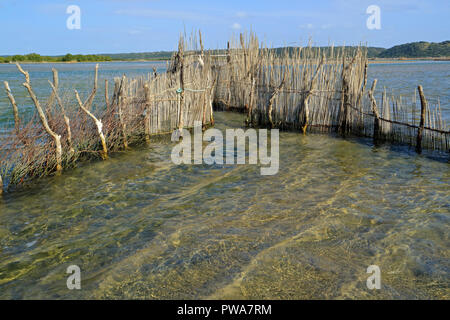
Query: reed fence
point(309, 89)
point(304, 89)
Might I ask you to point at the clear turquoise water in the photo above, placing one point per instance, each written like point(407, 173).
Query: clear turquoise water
point(139, 226)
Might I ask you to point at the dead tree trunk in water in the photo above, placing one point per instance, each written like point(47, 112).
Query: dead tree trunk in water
point(423, 108)
point(98, 123)
point(14, 106)
point(50, 132)
point(54, 86)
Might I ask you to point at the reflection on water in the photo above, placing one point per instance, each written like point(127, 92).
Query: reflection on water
point(140, 227)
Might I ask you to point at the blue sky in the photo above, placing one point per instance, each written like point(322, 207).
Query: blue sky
point(113, 26)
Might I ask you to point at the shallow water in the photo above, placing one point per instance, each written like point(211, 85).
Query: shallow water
point(79, 76)
point(139, 226)
point(402, 78)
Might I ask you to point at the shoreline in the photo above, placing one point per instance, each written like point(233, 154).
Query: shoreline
point(75, 62)
point(406, 60)
point(371, 60)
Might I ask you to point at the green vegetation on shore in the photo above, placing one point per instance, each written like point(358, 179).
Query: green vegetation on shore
point(34, 57)
point(418, 50)
point(409, 50)
point(158, 55)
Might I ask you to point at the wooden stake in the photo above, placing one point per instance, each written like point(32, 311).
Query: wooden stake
point(423, 108)
point(377, 121)
point(181, 94)
point(90, 99)
point(106, 94)
point(121, 119)
point(147, 112)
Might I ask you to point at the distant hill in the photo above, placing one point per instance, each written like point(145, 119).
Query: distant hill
point(409, 50)
point(372, 52)
point(158, 55)
point(420, 49)
point(166, 55)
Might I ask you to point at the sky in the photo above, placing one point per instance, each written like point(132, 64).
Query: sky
point(119, 26)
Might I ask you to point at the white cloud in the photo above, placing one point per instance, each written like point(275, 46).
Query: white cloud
point(236, 26)
point(133, 32)
point(327, 26)
point(307, 26)
point(241, 14)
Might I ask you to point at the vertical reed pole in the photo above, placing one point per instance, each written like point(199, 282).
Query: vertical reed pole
point(210, 102)
point(423, 108)
point(202, 52)
point(121, 119)
point(250, 104)
point(377, 121)
point(106, 95)
point(147, 112)
point(272, 98)
point(309, 94)
point(205, 105)
point(181, 62)
point(1, 185)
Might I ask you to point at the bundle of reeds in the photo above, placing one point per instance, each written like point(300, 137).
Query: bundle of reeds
point(310, 89)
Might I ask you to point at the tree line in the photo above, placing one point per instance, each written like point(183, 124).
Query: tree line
point(34, 57)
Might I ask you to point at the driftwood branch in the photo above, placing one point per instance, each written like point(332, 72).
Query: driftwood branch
point(98, 123)
point(14, 106)
point(90, 99)
point(63, 110)
point(56, 137)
